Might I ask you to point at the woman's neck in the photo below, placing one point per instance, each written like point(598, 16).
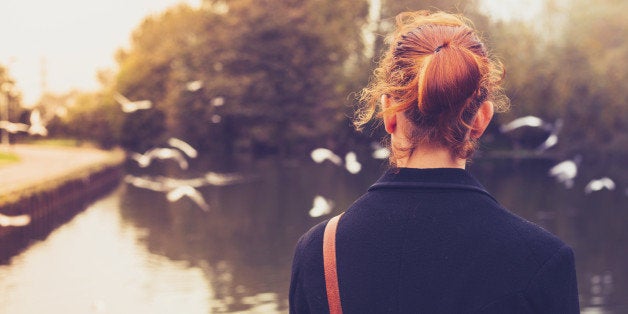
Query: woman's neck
point(426, 156)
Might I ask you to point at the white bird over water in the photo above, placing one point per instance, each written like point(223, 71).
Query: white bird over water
point(321, 206)
point(218, 101)
point(175, 189)
point(129, 106)
point(529, 121)
point(194, 85)
point(222, 179)
point(565, 172)
point(183, 146)
point(189, 191)
point(552, 139)
point(37, 124)
point(599, 184)
point(215, 119)
point(13, 127)
point(14, 221)
point(163, 153)
point(321, 154)
point(379, 151)
point(351, 163)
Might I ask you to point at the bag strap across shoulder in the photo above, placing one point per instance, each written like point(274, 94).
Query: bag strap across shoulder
point(329, 263)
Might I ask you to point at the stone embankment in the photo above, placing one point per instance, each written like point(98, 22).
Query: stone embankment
point(49, 184)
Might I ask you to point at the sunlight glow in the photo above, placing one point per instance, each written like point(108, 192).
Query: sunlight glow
point(67, 41)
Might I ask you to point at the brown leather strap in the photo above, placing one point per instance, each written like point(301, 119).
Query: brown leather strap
point(329, 259)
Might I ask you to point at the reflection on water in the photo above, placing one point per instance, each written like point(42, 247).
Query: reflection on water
point(97, 264)
point(133, 251)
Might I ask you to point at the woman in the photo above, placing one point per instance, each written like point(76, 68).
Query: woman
point(427, 237)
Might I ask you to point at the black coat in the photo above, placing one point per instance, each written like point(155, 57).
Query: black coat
point(434, 241)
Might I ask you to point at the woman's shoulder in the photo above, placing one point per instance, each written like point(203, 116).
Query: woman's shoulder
point(523, 235)
point(312, 240)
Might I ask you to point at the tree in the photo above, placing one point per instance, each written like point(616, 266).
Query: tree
point(573, 72)
point(281, 68)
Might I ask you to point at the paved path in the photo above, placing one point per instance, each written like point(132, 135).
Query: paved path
point(40, 164)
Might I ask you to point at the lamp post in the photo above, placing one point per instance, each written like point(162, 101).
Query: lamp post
point(5, 90)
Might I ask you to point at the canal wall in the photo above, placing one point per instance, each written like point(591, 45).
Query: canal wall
point(51, 197)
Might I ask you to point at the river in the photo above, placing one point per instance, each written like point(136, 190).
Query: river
point(133, 251)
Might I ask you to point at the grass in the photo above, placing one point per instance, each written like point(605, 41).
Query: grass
point(60, 142)
point(8, 158)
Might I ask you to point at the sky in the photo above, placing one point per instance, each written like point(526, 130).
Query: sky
point(68, 41)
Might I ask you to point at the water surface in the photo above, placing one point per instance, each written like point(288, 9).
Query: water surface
point(134, 252)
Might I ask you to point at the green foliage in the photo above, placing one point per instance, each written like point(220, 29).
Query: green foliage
point(142, 129)
point(283, 69)
point(10, 95)
point(94, 117)
point(8, 158)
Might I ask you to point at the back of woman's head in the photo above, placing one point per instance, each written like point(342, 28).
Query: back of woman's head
point(438, 72)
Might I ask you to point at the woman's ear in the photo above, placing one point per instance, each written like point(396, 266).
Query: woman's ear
point(482, 119)
point(390, 119)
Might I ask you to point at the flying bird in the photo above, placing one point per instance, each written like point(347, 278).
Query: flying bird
point(566, 171)
point(379, 151)
point(552, 139)
point(321, 206)
point(321, 154)
point(194, 85)
point(183, 146)
point(599, 184)
point(189, 191)
point(527, 121)
point(37, 126)
point(175, 189)
point(13, 127)
point(219, 179)
point(14, 221)
point(129, 106)
point(215, 119)
point(162, 153)
point(218, 101)
point(351, 163)
point(147, 183)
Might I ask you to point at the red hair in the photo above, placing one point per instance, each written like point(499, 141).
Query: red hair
point(438, 72)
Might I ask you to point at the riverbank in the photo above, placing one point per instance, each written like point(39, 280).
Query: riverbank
point(49, 182)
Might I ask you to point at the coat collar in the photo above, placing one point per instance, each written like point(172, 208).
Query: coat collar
point(437, 178)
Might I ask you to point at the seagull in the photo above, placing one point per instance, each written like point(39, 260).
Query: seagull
point(194, 85)
point(13, 128)
point(218, 101)
point(37, 124)
point(216, 119)
point(552, 139)
point(175, 189)
point(599, 184)
point(183, 146)
point(379, 151)
point(321, 206)
point(213, 178)
point(144, 160)
point(14, 221)
point(527, 121)
point(566, 171)
point(351, 163)
point(129, 106)
point(189, 191)
point(144, 182)
point(321, 154)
